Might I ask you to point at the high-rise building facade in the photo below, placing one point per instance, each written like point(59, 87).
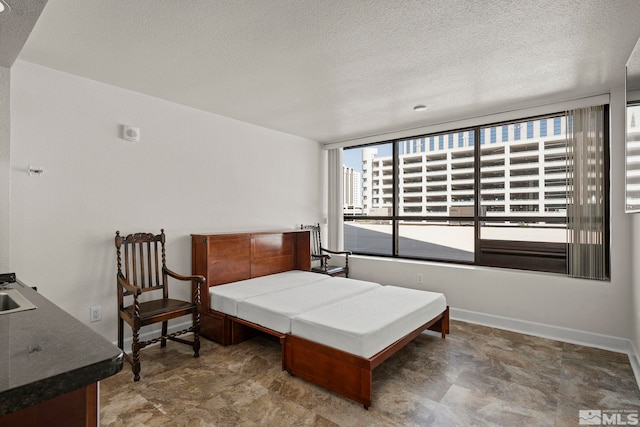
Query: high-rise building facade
point(352, 191)
point(523, 168)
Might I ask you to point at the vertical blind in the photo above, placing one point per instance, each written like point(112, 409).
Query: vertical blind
point(586, 194)
point(335, 216)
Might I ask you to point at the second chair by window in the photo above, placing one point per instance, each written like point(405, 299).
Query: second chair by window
point(323, 255)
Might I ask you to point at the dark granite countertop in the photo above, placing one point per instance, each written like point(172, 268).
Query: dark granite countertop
point(46, 352)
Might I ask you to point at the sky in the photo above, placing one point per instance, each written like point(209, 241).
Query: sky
point(352, 157)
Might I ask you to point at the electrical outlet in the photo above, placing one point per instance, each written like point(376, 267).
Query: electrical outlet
point(95, 313)
point(419, 278)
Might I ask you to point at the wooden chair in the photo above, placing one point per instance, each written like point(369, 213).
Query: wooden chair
point(143, 272)
point(318, 253)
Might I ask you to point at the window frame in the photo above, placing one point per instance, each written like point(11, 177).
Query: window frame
point(517, 254)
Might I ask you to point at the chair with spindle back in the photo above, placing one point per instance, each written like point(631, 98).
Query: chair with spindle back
point(140, 270)
point(318, 253)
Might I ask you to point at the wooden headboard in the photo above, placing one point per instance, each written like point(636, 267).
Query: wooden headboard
point(230, 257)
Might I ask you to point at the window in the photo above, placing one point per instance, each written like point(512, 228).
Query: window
point(501, 204)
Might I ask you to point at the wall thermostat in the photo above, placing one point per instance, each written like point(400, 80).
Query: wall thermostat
point(130, 133)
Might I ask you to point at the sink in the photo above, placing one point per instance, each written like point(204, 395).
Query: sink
point(12, 301)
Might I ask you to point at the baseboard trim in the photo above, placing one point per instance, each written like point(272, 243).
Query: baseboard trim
point(635, 365)
point(558, 333)
point(568, 335)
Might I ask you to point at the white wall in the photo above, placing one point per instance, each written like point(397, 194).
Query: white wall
point(192, 172)
point(4, 169)
point(584, 305)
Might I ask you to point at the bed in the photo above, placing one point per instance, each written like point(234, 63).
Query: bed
point(333, 331)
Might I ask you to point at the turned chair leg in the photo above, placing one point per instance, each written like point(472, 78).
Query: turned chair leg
point(163, 341)
point(196, 335)
point(135, 360)
point(121, 333)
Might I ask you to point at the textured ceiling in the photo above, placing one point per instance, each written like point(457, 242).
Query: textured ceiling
point(333, 70)
point(16, 22)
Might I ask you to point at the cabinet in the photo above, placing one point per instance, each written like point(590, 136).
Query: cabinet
point(78, 408)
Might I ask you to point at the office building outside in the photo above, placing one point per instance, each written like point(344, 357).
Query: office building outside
point(352, 194)
point(523, 173)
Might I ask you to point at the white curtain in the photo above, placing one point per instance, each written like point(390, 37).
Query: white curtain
point(586, 194)
point(335, 190)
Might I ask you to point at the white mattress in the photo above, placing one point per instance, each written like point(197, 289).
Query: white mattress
point(276, 309)
point(225, 298)
point(367, 323)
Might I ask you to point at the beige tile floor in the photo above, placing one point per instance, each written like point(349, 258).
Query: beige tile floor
point(477, 376)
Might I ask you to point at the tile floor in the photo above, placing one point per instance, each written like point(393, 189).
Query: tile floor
point(477, 376)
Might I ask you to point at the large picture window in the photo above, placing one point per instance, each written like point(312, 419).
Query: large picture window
point(506, 201)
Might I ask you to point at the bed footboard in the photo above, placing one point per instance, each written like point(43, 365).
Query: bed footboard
point(335, 370)
point(345, 373)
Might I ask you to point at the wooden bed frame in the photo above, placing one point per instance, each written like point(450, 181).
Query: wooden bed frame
point(230, 257)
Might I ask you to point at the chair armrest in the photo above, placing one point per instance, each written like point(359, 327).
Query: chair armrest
point(198, 279)
point(195, 278)
point(132, 289)
point(347, 253)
